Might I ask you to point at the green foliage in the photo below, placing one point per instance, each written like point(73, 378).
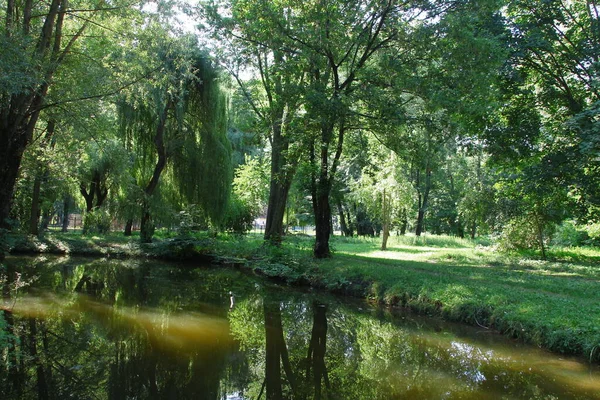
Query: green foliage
point(251, 184)
point(97, 221)
point(521, 233)
point(593, 232)
point(239, 217)
point(190, 219)
point(4, 337)
point(569, 234)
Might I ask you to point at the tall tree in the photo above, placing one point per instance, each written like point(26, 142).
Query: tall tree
point(251, 39)
point(38, 39)
point(556, 59)
point(179, 117)
point(339, 40)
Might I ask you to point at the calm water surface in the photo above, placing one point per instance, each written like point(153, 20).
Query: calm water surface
point(100, 329)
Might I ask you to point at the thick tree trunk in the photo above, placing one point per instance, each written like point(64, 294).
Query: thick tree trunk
point(321, 187)
point(420, 221)
point(19, 115)
point(146, 225)
point(88, 196)
point(282, 172)
point(322, 212)
point(277, 201)
point(12, 146)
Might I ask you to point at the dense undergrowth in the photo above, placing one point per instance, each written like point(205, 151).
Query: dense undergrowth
point(553, 304)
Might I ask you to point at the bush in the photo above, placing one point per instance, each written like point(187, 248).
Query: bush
point(240, 217)
point(568, 234)
point(521, 234)
point(593, 232)
point(191, 219)
point(96, 221)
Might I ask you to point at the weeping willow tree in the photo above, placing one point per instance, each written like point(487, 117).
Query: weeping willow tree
point(179, 119)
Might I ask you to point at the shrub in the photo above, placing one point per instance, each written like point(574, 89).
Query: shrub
point(97, 221)
point(521, 233)
point(593, 233)
point(240, 217)
point(568, 234)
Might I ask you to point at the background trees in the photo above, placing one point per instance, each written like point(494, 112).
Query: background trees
point(374, 116)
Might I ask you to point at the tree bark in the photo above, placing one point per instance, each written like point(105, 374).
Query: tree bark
point(19, 116)
point(321, 185)
point(282, 172)
point(146, 225)
point(322, 212)
point(12, 146)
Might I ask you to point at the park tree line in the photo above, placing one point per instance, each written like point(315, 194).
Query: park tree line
point(366, 116)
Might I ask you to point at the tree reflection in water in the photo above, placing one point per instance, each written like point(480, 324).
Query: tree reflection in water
point(99, 329)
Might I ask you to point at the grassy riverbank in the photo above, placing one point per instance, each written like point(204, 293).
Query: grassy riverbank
point(554, 304)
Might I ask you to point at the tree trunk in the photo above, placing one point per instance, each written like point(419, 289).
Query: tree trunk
point(12, 146)
point(321, 188)
point(420, 220)
point(128, 227)
point(34, 217)
point(343, 225)
point(19, 115)
point(146, 225)
point(473, 230)
point(66, 213)
point(540, 229)
point(404, 225)
point(278, 194)
point(46, 218)
point(88, 196)
point(322, 212)
point(282, 172)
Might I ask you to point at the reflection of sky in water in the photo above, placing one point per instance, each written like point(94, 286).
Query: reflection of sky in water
point(471, 359)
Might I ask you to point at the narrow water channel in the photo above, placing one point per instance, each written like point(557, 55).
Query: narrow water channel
point(128, 329)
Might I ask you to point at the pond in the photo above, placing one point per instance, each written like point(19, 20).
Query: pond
point(130, 329)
